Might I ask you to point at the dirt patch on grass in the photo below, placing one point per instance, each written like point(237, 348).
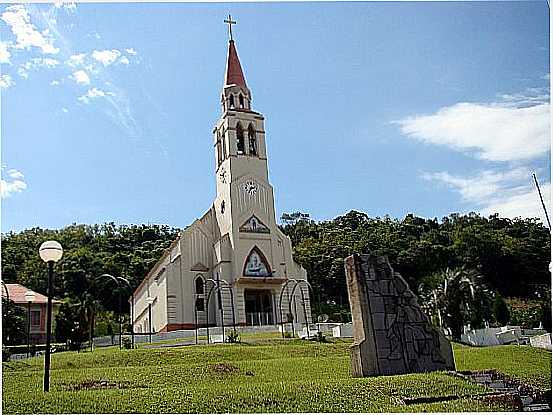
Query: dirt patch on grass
point(99, 384)
point(223, 368)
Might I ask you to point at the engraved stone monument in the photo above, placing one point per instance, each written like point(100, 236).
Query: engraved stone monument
point(391, 335)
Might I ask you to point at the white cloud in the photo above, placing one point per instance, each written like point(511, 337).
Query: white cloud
point(528, 98)
point(510, 193)
point(35, 63)
point(47, 62)
point(81, 77)
point(4, 52)
point(13, 182)
point(15, 174)
point(55, 82)
point(65, 110)
point(94, 93)
point(525, 202)
point(6, 81)
point(124, 60)
point(76, 60)
point(23, 73)
point(506, 131)
point(26, 34)
point(130, 51)
point(69, 5)
point(106, 57)
point(478, 188)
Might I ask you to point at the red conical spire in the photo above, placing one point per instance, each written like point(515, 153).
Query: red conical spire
point(234, 74)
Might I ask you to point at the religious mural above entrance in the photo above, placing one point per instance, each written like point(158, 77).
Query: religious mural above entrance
point(256, 266)
point(254, 225)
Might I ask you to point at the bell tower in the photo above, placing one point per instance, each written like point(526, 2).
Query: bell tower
point(239, 146)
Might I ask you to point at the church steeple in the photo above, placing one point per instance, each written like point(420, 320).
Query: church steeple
point(233, 73)
point(236, 95)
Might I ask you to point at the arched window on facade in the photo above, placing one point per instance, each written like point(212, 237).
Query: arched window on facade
point(200, 304)
point(241, 100)
point(224, 147)
point(199, 284)
point(252, 141)
point(239, 139)
point(219, 151)
point(231, 101)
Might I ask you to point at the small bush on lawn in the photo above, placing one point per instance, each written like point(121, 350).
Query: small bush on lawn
point(127, 343)
point(6, 353)
point(233, 337)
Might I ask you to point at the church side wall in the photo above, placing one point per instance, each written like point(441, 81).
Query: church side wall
point(155, 286)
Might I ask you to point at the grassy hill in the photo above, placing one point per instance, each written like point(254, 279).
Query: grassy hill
point(260, 375)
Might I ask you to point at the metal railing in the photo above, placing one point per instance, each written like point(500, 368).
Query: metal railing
point(259, 319)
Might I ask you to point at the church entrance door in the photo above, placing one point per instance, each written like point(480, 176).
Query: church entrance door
point(259, 307)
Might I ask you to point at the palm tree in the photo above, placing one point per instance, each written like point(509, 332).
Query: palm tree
point(87, 308)
point(455, 296)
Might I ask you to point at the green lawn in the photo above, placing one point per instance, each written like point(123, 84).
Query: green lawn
point(263, 375)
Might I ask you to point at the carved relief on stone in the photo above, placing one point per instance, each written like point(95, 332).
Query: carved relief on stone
point(391, 333)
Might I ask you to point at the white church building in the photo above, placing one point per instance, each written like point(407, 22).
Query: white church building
point(236, 242)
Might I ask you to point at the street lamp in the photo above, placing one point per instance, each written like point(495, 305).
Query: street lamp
point(126, 281)
point(29, 297)
point(50, 252)
point(150, 301)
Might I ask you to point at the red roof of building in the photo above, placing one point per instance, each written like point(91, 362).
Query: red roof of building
point(234, 74)
point(17, 295)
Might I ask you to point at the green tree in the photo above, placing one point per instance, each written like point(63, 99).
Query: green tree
point(14, 319)
point(501, 311)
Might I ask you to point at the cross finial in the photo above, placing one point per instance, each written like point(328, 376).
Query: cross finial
point(230, 22)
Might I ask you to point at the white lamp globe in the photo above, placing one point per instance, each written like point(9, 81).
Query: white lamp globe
point(29, 296)
point(150, 300)
point(50, 251)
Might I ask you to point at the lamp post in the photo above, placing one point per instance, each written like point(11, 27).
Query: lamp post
point(150, 301)
point(50, 252)
point(29, 297)
point(126, 281)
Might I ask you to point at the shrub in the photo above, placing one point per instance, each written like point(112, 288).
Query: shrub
point(74, 345)
point(6, 353)
point(524, 313)
point(127, 343)
point(233, 337)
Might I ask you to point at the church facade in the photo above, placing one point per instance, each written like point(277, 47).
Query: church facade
point(236, 244)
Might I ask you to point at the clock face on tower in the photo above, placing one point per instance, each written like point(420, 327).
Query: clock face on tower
point(250, 187)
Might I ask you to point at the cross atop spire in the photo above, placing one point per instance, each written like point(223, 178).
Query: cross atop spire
point(233, 73)
point(230, 22)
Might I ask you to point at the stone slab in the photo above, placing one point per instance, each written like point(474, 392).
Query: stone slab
point(391, 334)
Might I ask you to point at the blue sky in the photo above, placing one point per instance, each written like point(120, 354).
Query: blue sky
point(388, 108)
